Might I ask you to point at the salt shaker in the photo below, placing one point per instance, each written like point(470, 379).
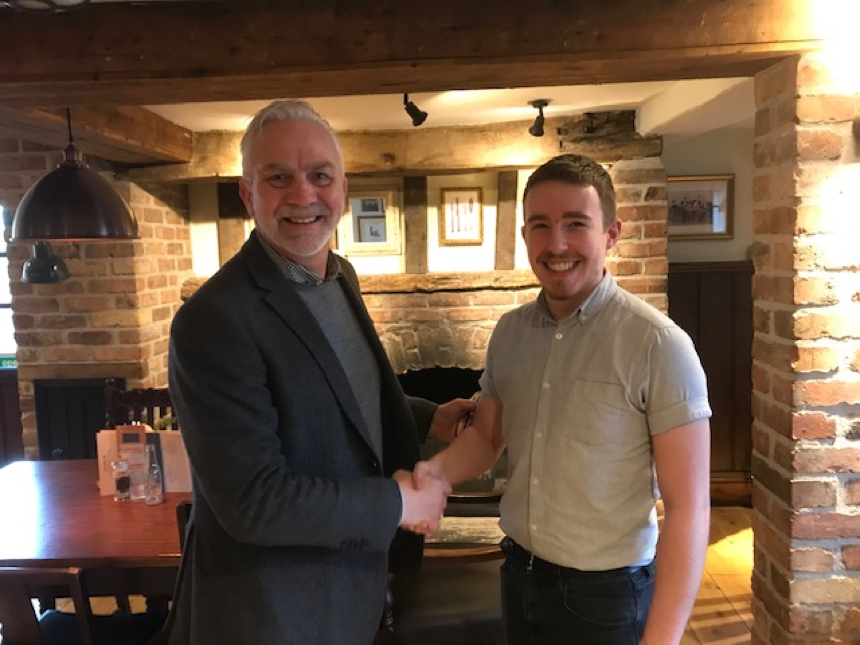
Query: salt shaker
point(121, 480)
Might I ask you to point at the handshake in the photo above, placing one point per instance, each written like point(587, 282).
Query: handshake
point(424, 492)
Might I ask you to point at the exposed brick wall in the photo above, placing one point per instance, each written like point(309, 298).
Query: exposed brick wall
point(639, 261)
point(111, 318)
point(806, 399)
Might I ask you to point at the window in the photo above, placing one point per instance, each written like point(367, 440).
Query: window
point(7, 328)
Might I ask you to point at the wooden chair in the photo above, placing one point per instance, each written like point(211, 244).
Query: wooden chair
point(143, 405)
point(21, 625)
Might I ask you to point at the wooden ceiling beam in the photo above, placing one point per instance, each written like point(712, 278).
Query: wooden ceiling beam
point(119, 53)
point(127, 134)
point(416, 151)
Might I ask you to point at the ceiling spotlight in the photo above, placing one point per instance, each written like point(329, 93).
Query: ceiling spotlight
point(44, 267)
point(418, 115)
point(537, 127)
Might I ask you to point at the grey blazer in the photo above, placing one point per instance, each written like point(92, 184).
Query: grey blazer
point(294, 513)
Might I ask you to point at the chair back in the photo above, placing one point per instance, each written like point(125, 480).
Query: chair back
point(183, 516)
point(19, 584)
point(143, 405)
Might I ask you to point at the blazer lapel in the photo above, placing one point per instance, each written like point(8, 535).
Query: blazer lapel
point(296, 315)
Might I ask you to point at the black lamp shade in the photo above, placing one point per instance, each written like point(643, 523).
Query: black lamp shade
point(44, 267)
point(73, 203)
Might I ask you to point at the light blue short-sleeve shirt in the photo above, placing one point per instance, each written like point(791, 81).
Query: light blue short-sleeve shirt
point(581, 399)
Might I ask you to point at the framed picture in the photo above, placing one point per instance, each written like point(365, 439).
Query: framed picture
point(371, 223)
point(461, 218)
point(701, 207)
point(371, 230)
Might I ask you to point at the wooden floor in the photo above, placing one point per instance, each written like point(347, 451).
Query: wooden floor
point(722, 613)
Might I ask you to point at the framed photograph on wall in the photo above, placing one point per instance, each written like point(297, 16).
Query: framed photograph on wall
point(371, 223)
point(461, 217)
point(371, 230)
point(701, 207)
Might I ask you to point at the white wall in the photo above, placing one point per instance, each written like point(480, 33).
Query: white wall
point(203, 215)
point(728, 150)
point(462, 258)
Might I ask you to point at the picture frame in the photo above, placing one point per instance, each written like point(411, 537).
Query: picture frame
point(371, 223)
point(461, 217)
point(371, 230)
point(701, 207)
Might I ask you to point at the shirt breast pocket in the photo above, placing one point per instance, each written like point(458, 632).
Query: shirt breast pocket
point(601, 414)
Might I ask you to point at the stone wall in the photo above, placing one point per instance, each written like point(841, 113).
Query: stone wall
point(806, 372)
point(111, 318)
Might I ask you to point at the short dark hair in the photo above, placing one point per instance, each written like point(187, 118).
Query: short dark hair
point(580, 171)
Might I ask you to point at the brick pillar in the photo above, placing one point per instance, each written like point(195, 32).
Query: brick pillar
point(639, 261)
point(806, 385)
point(111, 318)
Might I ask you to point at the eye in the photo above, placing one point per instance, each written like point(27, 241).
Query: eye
point(320, 178)
point(277, 180)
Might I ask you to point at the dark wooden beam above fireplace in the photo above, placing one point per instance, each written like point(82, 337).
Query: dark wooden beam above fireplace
point(126, 134)
point(128, 54)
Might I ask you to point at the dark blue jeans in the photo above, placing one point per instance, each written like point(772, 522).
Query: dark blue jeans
point(544, 604)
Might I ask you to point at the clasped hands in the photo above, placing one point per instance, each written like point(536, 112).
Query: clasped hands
point(425, 490)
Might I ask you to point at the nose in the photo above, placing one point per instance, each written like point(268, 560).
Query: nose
point(557, 240)
point(302, 192)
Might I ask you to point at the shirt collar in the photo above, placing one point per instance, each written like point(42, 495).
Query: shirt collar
point(298, 273)
point(590, 306)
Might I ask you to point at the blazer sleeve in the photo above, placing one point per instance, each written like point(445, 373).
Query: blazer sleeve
point(220, 387)
point(423, 411)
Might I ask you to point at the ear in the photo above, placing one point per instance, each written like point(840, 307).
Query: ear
point(613, 234)
point(245, 195)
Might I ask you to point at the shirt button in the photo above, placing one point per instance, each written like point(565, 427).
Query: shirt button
point(538, 434)
point(546, 386)
point(533, 527)
point(559, 336)
point(534, 481)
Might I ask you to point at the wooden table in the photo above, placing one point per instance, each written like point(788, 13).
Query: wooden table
point(465, 539)
point(52, 515)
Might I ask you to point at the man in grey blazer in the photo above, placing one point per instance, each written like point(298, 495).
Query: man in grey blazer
point(297, 430)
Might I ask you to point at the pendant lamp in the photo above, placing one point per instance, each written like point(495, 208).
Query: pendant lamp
point(73, 203)
point(44, 267)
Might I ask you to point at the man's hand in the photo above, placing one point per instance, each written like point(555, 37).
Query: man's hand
point(422, 509)
point(450, 418)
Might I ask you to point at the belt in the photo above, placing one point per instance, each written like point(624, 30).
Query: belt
point(523, 557)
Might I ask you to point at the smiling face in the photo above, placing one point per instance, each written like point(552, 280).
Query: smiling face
point(566, 242)
point(294, 187)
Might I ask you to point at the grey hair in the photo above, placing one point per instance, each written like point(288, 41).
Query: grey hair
point(288, 110)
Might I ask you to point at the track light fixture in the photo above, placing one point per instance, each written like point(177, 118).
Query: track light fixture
point(537, 127)
point(44, 267)
point(418, 115)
